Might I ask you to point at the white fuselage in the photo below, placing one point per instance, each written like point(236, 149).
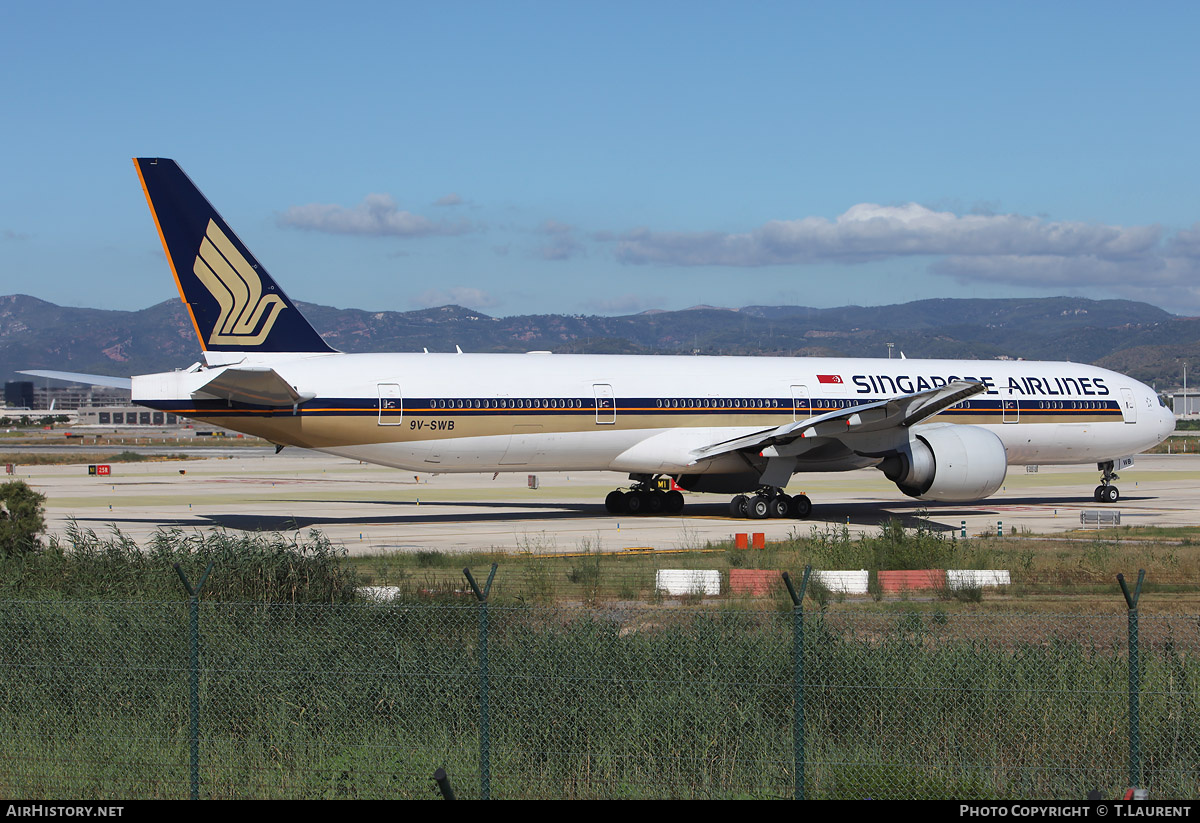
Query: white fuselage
point(647, 414)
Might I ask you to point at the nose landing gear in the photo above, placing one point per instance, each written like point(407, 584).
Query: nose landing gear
point(1106, 492)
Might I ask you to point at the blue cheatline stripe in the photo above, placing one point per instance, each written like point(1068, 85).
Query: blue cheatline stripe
point(586, 406)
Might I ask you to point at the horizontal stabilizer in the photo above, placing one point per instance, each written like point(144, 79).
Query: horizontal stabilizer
point(256, 386)
point(85, 379)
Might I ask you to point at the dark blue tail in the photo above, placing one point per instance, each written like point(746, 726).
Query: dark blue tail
point(234, 303)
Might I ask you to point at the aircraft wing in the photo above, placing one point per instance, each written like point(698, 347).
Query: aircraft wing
point(900, 411)
point(258, 386)
point(85, 379)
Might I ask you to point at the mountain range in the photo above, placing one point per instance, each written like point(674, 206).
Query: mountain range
point(1135, 338)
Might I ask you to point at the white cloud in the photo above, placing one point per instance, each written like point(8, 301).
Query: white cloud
point(451, 199)
point(562, 245)
point(457, 295)
point(869, 231)
point(1186, 243)
point(377, 215)
point(1006, 249)
point(1170, 282)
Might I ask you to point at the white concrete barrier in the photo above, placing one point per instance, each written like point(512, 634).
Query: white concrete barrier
point(977, 578)
point(678, 582)
point(846, 582)
point(380, 594)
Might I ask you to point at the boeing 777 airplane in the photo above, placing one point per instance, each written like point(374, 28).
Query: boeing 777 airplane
point(939, 429)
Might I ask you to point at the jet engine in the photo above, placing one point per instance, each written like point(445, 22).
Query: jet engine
point(952, 463)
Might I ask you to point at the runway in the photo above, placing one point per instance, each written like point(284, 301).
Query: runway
point(371, 509)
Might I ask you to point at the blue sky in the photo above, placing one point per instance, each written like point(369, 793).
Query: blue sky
point(603, 158)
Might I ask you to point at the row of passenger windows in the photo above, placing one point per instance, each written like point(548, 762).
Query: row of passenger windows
point(1072, 404)
point(509, 403)
point(716, 403)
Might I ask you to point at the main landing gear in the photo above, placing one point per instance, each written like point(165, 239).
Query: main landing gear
point(644, 498)
point(1106, 492)
point(770, 501)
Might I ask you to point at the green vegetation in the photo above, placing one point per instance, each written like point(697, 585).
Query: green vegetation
point(21, 519)
point(31, 422)
point(309, 693)
point(1076, 573)
point(359, 701)
point(83, 458)
point(267, 568)
point(1176, 445)
point(273, 567)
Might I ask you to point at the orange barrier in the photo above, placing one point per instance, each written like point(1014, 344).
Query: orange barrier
point(913, 580)
point(753, 581)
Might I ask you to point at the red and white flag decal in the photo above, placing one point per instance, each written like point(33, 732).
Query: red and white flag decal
point(829, 378)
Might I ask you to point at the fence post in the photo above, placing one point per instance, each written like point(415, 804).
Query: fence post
point(485, 743)
point(1135, 737)
point(798, 731)
point(194, 675)
point(443, 782)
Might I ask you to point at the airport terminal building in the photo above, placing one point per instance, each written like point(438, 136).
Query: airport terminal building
point(85, 405)
point(1186, 404)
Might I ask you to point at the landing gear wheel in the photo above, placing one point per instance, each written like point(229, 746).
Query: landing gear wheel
point(759, 507)
point(1106, 492)
point(674, 503)
point(801, 507)
point(779, 506)
point(615, 502)
point(634, 502)
point(655, 502)
point(739, 506)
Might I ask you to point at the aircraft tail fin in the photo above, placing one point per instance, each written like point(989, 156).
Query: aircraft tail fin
point(233, 302)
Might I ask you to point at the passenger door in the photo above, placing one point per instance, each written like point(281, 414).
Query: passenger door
point(391, 404)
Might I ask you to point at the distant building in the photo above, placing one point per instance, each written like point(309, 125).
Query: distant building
point(18, 394)
point(1186, 405)
point(75, 397)
point(125, 415)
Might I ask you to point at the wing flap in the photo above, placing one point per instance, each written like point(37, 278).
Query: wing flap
point(902, 410)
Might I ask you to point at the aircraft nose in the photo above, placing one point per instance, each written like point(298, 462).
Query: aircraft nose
point(1167, 423)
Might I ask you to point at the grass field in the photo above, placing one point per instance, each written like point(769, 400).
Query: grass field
point(308, 701)
point(598, 686)
point(1076, 573)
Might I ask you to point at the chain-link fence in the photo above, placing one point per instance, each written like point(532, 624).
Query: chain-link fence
point(327, 701)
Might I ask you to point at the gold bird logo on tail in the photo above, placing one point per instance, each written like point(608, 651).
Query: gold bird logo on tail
point(237, 289)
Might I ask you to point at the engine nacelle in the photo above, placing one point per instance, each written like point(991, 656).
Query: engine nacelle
point(957, 464)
